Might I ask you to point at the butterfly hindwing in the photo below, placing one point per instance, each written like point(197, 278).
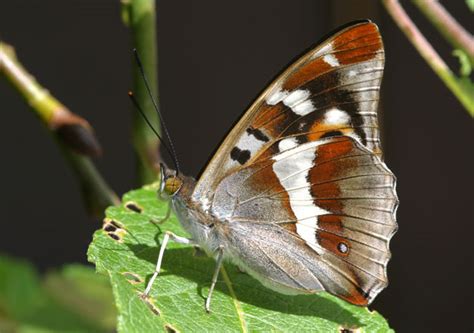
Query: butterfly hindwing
point(336, 195)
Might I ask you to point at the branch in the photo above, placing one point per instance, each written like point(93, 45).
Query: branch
point(447, 25)
point(430, 55)
point(96, 193)
point(140, 17)
point(73, 134)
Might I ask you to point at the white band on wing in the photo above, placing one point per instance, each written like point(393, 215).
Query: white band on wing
point(292, 169)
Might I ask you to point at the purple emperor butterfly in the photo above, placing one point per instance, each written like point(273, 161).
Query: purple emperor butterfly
point(297, 195)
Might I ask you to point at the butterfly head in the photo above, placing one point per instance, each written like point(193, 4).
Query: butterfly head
point(170, 183)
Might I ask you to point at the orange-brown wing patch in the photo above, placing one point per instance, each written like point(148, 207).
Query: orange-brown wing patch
point(334, 243)
point(364, 34)
point(272, 118)
point(356, 296)
point(331, 163)
point(330, 223)
point(359, 44)
point(307, 73)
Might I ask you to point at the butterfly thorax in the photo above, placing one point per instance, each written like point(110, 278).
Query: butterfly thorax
point(193, 217)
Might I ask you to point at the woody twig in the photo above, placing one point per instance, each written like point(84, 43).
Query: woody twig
point(461, 91)
point(73, 133)
point(447, 25)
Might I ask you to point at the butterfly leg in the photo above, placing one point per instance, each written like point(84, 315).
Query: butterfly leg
point(220, 257)
point(168, 235)
point(166, 217)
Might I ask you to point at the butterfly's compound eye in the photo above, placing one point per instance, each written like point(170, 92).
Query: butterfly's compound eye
point(172, 185)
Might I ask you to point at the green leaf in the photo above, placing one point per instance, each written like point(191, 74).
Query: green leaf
point(470, 4)
point(88, 294)
point(239, 304)
point(26, 305)
point(465, 68)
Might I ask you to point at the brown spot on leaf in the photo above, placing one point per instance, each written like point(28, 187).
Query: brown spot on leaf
point(113, 229)
point(132, 277)
point(343, 329)
point(170, 329)
point(113, 236)
point(133, 207)
point(109, 227)
point(149, 302)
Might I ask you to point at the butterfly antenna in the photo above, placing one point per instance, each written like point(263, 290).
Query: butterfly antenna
point(140, 110)
point(171, 149)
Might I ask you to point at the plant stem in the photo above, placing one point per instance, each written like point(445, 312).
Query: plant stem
point(447, 25)
point(140, 16)
point(72, 133)
point(96, 193)
point(429, 54)
point(72, 129)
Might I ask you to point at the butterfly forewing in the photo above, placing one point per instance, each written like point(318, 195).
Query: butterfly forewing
point(332, 90)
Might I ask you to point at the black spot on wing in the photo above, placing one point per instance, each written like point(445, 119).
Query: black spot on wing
point(241, 156)
point(365, 294)
point(331, 134)
point(258, 134)
point(342, 247)
point(327, 92)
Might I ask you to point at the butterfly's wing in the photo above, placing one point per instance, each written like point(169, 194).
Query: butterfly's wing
point(305, 160)
point(336, 196)
point(331, 90)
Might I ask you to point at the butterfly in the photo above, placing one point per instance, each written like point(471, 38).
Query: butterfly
point(298, 195)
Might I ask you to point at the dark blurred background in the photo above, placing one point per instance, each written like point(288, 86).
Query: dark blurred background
point(214, 58)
